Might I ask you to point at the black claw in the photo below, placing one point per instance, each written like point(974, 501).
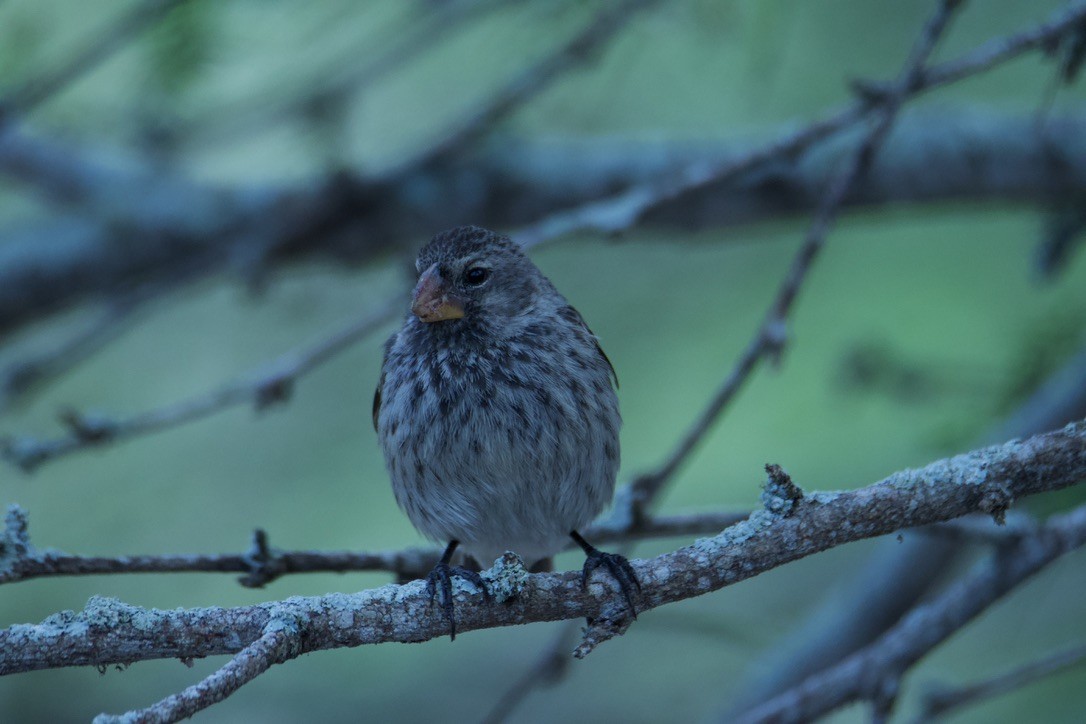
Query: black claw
point(441, 579)
point(617, 565)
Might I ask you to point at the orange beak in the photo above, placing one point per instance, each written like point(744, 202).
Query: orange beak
point(432, 301)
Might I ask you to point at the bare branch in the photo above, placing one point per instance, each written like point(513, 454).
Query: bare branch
point(582, 48)
point(624, 210)
point(32, 372)
point(109, 632)
point(262, 389)
point(549, 667)
point(419, 33)
point(939, 703)
point(35, 91)
point(900, 574)
point(875, 672)
point(262, 564)
point(280, 642)
point(772, 336)
point(1000, 50)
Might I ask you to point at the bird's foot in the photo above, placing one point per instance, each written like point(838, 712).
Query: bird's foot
point(440, 579)
point(619, 568)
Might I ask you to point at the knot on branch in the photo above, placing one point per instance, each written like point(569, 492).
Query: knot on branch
point(286, 626)
point(780, 495)
point(264, 564)
point(612, 621)
point(25, 453)
point(15, 544)
point(872, 92)
point(275, 390)
point(107, 614)
point(507, 578)
point(775, 338)
point(89, 427)
point(996, 501)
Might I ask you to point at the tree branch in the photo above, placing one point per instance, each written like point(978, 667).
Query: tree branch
point(35, 91)
point(262, 389)
point(987, 480)
point(581, 49)
point(262, 564)
point(280, 642)
point(349, 218)
point(899, 574)
point(939, 703)
point(624, 210)
point(874, 673)
point(772, 335)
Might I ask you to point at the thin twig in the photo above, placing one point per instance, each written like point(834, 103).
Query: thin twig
point(881, 665)
point(939, 703)
point(262, 564)
point(111, 632)
point(582, 48)
point(19, 378)
point(771, 337)
point(272, 385)
point(419, 33)
point(33, 92)
point(622, 211)
point(548, 668)
point(1000, 50)
point(280, 642)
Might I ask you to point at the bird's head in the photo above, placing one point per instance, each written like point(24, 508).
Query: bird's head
point(473, 273)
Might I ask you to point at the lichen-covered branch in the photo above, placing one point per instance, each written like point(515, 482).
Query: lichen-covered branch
point(262, 564)
point(987, 480)
point(281, 641)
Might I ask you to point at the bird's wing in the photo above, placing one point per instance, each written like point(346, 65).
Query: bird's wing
point(377, 400)
point(381, 381)
point(572, 315)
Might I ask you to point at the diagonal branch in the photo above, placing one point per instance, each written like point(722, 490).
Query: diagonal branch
point(280, 642)
point(623, 210)
point(262, 564)
point(986, 480)
point(35, 91)
point(582, 48)
point(771, 337)
point(943, 701)
point(30, 373)
point(349, 218)
point(874, 673)
point(262, 389)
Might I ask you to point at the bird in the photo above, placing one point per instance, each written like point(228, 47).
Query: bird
point(497, 414)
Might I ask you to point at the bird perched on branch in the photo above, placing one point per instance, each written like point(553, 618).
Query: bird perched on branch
point(496, 413)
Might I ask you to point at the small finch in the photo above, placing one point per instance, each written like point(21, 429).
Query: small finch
point(496, 413)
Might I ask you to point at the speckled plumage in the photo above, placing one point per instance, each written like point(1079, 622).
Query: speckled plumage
point(499, 428)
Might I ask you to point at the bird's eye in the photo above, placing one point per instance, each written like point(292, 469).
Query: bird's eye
point(476, 275)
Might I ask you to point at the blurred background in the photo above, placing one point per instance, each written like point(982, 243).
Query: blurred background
point(189, 190)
